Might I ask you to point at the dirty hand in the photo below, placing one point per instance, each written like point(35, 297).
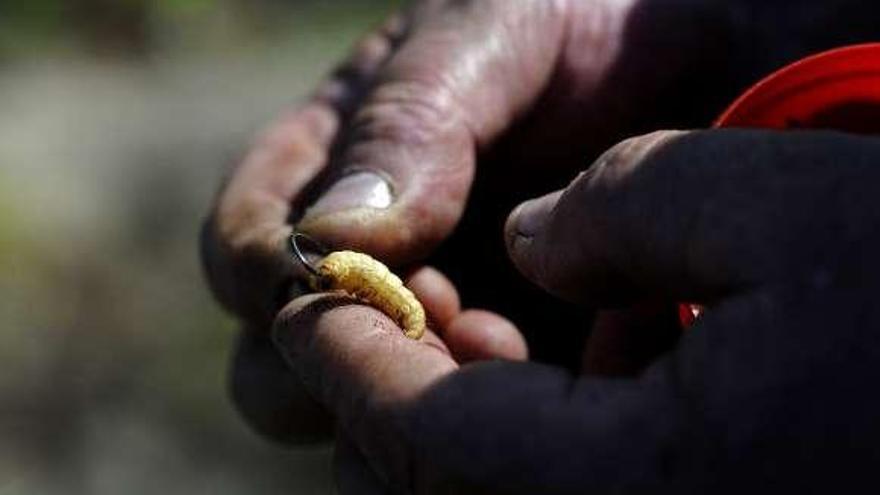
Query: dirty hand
point(776, 233)
point(522, 87)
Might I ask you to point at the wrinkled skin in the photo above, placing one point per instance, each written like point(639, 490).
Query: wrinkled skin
point(467, 108)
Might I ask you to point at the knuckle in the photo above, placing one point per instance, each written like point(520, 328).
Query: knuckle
point(624, 158)
point(372, 49)
point(408, 113)
point(368, 55)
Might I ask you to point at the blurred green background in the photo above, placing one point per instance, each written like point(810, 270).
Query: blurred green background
point(117, 120)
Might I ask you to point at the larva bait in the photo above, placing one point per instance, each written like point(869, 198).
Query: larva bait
point(369, 280)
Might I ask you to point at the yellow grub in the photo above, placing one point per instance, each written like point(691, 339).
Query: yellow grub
point(369, 280)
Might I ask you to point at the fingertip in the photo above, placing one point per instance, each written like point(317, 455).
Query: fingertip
point(437, 294)
point(291, 315)
point(338, 326)
point(476, 335)
point(531, 217)
point(511, 231)
point(523, 226)
point(347, 353)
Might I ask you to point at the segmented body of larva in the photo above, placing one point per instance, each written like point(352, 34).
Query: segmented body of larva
point(369, 280)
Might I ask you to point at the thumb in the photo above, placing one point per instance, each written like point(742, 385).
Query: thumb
point(699, 216)
point(403, 170)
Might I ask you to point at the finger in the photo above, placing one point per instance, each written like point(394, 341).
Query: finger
point(244, 241)
point(521, 428)
point(694, 216)
point(460, 78)
point(437, 294)
point(472, 335)
point(271, 397)
point(476, 335)
point(358, 363)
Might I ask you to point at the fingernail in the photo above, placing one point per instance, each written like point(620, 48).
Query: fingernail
point(357, 190)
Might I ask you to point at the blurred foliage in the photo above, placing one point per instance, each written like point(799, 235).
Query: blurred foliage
point(118, 120)
point(142, 27)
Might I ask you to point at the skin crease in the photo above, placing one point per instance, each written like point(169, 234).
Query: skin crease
point(568, 79)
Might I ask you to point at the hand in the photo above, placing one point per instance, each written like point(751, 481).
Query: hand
point(405, 119)
point(777, 233)
point(414, 104)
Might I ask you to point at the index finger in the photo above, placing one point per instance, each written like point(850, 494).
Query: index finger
point(426, 427)
point(356, 361)
point(244, 239)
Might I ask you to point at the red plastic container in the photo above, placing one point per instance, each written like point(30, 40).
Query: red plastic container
point(835, 90)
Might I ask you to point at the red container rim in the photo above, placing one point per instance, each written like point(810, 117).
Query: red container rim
point(808, 85)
